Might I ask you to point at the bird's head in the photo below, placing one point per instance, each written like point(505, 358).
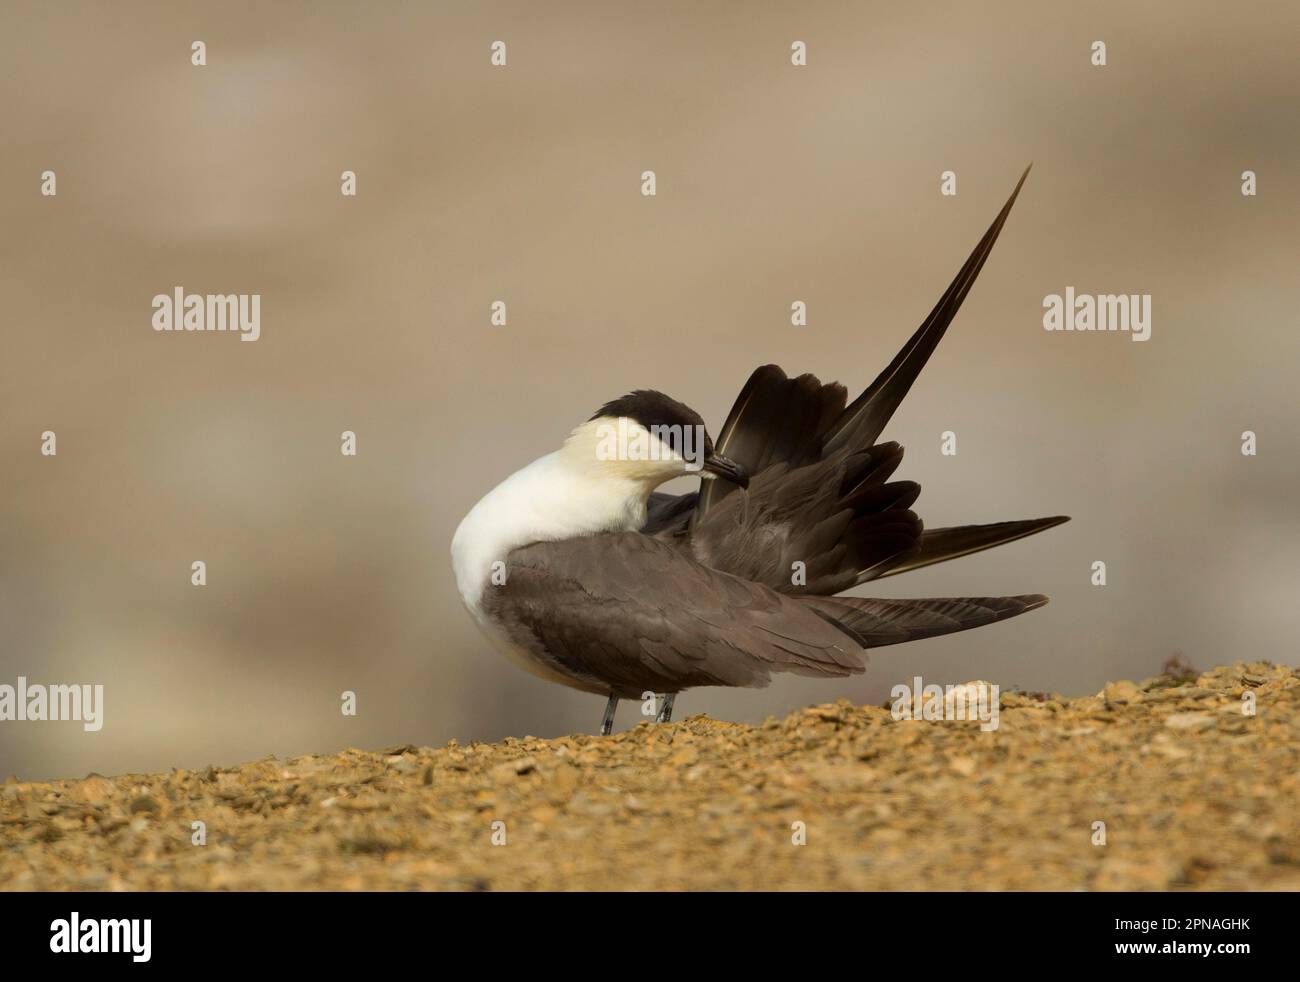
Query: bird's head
point(647, 437)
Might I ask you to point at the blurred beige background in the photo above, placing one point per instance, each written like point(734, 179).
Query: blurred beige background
point(328, 573)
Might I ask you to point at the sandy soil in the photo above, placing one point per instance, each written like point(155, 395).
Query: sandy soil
point(1194, 794)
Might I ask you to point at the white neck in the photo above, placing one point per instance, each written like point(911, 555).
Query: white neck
point(568, 493)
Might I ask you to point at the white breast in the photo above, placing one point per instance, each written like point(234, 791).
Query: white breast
point(546, 501)
point(572, 492)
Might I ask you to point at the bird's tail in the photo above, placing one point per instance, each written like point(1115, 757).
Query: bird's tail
point(874, 623)
point(821, 489)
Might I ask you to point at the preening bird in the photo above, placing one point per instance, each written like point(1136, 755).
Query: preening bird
point(580, 571)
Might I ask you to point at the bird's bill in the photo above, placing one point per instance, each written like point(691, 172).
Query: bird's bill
point(717, 465)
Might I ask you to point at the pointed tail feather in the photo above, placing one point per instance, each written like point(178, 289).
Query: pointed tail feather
point(940, 545)
point(865, 418)
point(821, 492)
point(875, 623)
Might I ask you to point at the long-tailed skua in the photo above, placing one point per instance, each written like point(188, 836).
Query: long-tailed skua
point(580, 571)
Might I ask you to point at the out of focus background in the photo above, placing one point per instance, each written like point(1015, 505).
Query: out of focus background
point(476, 183)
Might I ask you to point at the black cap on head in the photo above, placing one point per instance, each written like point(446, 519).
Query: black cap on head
point(674, 423)
point(654, 409)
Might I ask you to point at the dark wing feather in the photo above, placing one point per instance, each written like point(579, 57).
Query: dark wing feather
point(938, 545)
point(775, 420)
point(625, 613)
point(875, 623)
point(866, 416)
point(820, 493)
point(628, 613)
point(668, 515)
point(798, 515)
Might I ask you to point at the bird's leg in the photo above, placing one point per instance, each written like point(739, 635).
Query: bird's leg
point(666, 711)
point(607, 724)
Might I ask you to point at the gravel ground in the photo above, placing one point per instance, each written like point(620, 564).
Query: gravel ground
point(1194, 793)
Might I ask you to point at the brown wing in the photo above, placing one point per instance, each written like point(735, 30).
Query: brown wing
point(820, 495)
point(628, 613)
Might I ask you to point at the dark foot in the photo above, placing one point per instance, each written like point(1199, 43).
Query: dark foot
point(666, 712)
point(607, 724)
